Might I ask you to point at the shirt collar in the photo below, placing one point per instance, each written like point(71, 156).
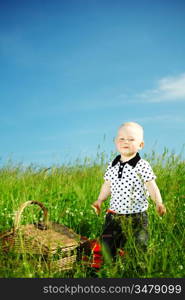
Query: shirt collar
point(132, 162)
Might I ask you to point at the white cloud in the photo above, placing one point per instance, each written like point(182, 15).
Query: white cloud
point(168, 89)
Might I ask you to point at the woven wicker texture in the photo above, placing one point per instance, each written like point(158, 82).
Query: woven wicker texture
point(47, 239)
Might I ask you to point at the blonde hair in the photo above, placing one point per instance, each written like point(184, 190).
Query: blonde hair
point(133, 124)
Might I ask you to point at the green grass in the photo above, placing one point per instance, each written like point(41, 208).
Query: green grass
point(68, 192)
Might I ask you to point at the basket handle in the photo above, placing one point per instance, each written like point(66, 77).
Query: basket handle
point(23, 206)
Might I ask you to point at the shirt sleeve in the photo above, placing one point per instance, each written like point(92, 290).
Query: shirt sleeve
point(147, 173)
point(107, 175)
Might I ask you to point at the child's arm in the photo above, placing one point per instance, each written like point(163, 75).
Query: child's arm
point(156, 196)
point(104, 193)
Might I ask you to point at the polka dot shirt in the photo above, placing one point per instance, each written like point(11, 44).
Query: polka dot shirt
point(128, 192)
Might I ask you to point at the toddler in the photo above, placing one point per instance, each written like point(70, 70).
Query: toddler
point(129, 180)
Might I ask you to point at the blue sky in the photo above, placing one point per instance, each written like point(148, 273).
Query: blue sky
point(72, 71)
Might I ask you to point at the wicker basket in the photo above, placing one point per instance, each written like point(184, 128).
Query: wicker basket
point(56, 243)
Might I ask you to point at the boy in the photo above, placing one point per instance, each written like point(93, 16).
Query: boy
point(128, 179)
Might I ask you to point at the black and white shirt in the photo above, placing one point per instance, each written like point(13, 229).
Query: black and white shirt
point(128, 192)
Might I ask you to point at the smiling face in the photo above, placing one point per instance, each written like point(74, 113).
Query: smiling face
point(129, 140)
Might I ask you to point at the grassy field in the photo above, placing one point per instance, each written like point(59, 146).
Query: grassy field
point(68, 192)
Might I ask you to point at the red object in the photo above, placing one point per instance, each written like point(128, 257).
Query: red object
point(121, 252)
point(97, 255)
point(92, 254)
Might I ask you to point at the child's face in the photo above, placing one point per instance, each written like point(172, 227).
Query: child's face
point(129, 140)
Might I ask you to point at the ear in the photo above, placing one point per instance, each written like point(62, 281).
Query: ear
point(142, 145)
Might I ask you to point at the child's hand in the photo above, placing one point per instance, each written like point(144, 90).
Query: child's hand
point(161, 209)
point(97, 207)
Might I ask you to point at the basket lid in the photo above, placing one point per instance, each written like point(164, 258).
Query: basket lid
point(49, 239)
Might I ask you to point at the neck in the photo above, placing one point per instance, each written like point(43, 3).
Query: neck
point(127, 158)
